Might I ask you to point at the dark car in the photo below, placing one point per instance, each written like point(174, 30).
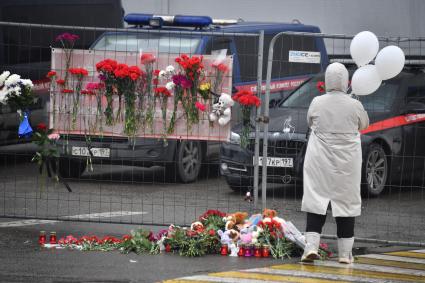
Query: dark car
point(183, 35)
point(393, 149)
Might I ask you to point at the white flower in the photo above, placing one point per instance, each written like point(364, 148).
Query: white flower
point(170, 86)
point(3, 96)
point(170, 69)
point(15, 89)
point(12, 80)
point(162, 74)
point(27, 83)
point(3, 77)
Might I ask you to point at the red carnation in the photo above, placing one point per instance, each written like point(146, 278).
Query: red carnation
point(51, 74)
point(41, 127)
point(65, 90)
point(321, 86)
point(221, 67)
point(211, 232)
point(147, 58)
point(60, 82)
point(79, 72)
point(200, 106)
point(162, 90)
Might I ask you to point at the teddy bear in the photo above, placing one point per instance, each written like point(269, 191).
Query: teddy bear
point(229, 236)
point(221, 110)
point(269, 213)
point(236, 219)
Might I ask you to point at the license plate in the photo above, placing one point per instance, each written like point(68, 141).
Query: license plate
point(97, 152)
point(277, 162)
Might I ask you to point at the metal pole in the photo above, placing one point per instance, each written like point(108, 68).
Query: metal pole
point(258, 114)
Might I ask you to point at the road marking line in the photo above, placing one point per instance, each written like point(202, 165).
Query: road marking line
point(370, 267)
point(206, 278)
point(419, 251)
point(390, 263)
point(28, 222)
point(321, 275)
point(394, 258)
point(271, 277)
point(105, 214)
point(347, 273)
point(408, 254)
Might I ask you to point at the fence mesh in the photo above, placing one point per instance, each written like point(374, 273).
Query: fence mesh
point(130, 188)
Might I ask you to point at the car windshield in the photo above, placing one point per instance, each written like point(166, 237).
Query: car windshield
point(302, 96)
point(159, 42)
point(380, 100)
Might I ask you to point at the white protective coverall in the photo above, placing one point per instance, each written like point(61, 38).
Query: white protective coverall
point(332, 166)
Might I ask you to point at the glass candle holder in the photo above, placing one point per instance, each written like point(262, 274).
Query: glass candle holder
point(265, 251)
point(241, 251)
point(257, 251)
point(42, 238)
point(248, 251)
point(168, 248)
point(224, 250)
point(52, 238)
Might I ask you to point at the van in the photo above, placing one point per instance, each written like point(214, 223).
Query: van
point(169, 34)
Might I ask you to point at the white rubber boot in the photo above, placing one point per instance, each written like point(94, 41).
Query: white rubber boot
point(345, 247)
point(312, 247)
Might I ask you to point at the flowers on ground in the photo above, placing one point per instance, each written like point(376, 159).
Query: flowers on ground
point(248, 101)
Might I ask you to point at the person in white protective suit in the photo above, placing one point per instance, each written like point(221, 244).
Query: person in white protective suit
point(333, 161)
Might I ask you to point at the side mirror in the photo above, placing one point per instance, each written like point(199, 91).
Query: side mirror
point(414, 107)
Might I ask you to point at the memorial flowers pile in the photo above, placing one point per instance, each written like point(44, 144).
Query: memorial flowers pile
point(248, 101)
point(215, 232)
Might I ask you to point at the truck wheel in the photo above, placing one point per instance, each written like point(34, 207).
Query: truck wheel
point(71, 168)
point(375, 170)
point(188, 159)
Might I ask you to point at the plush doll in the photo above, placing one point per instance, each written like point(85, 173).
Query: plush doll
point(197, 226)
point(225, 237)
point(221, 110)
point(233, 249)
point(236, 219)
point(246, 238)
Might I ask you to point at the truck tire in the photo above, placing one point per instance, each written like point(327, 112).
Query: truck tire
point(71, 168)
point(188, 161)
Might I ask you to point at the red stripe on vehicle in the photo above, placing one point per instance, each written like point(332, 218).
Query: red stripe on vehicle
point(275, 86)
point(394, 122)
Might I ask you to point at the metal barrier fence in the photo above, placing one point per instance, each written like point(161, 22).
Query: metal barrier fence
point(146, 180)
point(130, 189)
point(393, 158)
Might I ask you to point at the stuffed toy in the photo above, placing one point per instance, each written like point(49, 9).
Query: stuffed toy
point(221, 110)
point(236, 219)
point(197, 226)
point(246, 238)
point(225, 237)
point(270, 213)
point(233, 249)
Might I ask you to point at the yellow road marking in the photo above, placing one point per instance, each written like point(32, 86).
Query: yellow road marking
point(184, 281)
point(407, 254)
point(349, 272)
point(272, 277)
point(392, 263)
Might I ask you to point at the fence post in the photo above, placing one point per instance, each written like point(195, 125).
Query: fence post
point(258, 114)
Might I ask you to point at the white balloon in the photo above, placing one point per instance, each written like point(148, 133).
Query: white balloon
point(364, 47)
point(390, 62)
point(365, 80)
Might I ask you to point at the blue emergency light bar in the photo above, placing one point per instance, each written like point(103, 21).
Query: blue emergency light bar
point(177, 20)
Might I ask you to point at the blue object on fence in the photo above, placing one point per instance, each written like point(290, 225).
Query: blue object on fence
point(25, 130)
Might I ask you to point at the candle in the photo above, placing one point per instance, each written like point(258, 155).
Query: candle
point(52, 239)
point(241, 251)
point(265, 251)
point(42, 238)
point(248, 251)
point(224, 250)
point(257, 251)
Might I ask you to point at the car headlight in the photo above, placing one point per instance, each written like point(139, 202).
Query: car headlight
point(235, 138)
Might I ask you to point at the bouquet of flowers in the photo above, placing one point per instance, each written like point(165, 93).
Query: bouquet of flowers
point(17, 93)
point(126, 78)
point(106, 70)
point(190, 78)
point(79, 74)
point(247, 100)
point(96, 90)
point(47, 155)
point(67, 41)
point(149, 83)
